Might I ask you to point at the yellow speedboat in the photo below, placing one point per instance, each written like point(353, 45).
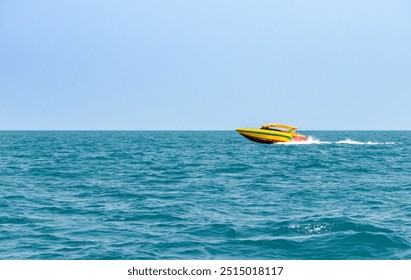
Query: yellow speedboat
point(272, 133)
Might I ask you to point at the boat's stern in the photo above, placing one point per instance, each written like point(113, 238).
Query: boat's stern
point(299, 137)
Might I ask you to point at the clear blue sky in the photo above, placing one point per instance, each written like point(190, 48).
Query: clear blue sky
point(212, 64)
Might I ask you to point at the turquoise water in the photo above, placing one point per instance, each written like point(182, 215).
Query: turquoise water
point(204, 195)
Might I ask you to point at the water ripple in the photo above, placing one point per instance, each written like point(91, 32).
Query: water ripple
point(204, 195)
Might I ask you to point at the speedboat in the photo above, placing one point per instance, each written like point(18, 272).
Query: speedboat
point(272, 133)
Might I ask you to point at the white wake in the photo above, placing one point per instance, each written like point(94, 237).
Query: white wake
point(353, 142)
point(312, 140)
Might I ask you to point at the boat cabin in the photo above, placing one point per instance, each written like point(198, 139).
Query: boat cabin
point(280, 127)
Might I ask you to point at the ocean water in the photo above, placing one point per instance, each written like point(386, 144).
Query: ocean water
point(204, 195)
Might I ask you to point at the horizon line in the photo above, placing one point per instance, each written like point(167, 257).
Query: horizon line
point(153, 130)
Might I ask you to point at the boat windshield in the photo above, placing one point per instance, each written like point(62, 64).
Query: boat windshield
point(282, 129)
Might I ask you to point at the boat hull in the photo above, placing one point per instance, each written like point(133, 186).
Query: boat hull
point(267, 136)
